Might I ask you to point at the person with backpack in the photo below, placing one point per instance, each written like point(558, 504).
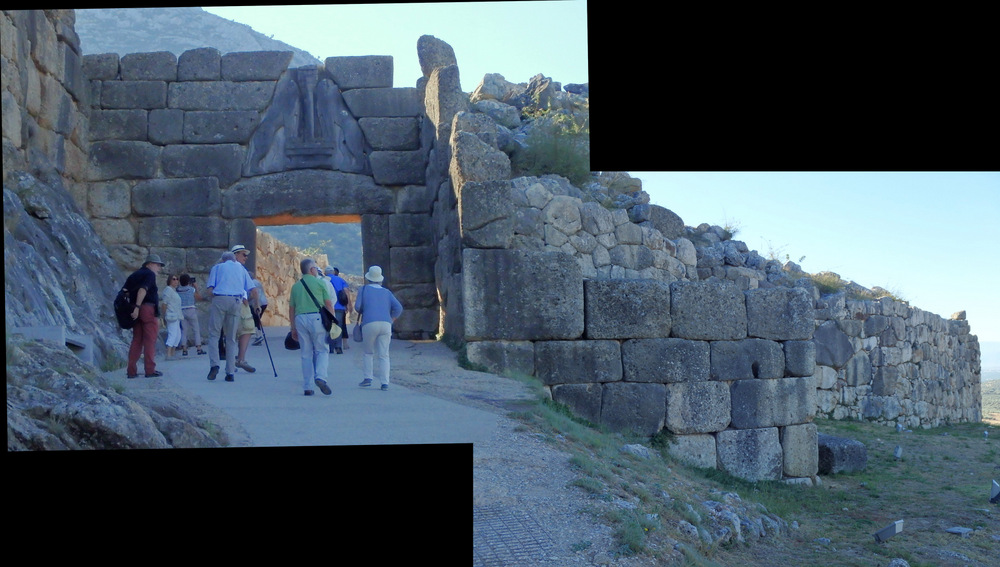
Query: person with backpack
point(141, 285)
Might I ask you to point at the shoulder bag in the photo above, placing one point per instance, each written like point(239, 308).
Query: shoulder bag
point(328, 319)
point(356, 333)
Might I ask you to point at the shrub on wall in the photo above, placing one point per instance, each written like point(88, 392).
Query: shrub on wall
point(556, 144)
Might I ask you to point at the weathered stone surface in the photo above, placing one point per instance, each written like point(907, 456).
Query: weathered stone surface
point(508, 357)
point(118, 125)
point(696, 450)
point(747, 358)
point(391, 133)
point(884, 381)
point(633, 407)
point(858, 370)
point(166, 126)
point(443, 98)
point(800, 358)
point(112, 159)
point(200, 64)
point(780, 314)
point(398, 167)
point(155, 66)
point(134, 94)
point(485, 213)
point(366, 71)
point(833, 347)
point(410, 230)
point(433, 54)
point(219, 95)
point(194, 232)
point(697, 407)
point(767, 403)
point(751, 454)
point(404, 101)
point(584, 400)
point(412, 264)
point(574, 362)
point(102, 66)
point(177, 197)
point(838, 454)
point(665, 360)
point(305, 192)
point(666, 221)
point(800, 444)
point(219, 127)
point(496, 303)
point(222, 161)
point(474, 160)
point(622, 309)
point(254, 65)
point(707, 311)
point(112, 199)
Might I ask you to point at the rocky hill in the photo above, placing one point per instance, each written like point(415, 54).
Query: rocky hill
point(141, 30)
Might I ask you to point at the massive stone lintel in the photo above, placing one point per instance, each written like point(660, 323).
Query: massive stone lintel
point(306, 192)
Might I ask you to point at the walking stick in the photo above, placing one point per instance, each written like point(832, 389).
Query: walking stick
point(256, 321)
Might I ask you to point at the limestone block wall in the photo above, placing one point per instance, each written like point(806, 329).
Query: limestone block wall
point(185, 151)
point(278, 270)
point(44, 99)
point(892, 363)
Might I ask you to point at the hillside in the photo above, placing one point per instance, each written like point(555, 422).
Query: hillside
point(141, 30)
point(340, 242)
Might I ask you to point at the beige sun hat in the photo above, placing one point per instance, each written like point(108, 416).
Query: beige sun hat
point(374, 274)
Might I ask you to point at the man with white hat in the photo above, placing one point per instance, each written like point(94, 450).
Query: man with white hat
point(229, 283)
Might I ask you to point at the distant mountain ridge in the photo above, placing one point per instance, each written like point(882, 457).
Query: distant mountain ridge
point(143, 30)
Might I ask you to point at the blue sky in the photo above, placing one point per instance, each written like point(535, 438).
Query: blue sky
point(515, 39)
point(928, 237)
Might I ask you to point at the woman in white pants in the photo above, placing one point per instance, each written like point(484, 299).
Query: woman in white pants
point(378, 309)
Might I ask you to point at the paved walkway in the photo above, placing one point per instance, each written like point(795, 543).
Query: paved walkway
point(275, 412)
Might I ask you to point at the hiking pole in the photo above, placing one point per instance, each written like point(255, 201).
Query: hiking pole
point(256, 321)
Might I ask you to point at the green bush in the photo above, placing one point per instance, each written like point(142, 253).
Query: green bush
point(556, 145)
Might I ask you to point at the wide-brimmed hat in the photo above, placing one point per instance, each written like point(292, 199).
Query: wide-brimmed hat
point(328, 270)
point(374, 274)
point(238, 248)
point(153, 259)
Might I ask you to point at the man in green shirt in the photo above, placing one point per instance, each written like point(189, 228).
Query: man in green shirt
point(307, 326)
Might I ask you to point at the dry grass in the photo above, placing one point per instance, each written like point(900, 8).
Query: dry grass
point(991, 402)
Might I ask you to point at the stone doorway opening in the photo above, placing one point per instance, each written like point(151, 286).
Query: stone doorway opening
point(283, 240)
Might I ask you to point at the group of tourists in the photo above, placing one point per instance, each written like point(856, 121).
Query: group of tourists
point(237, 303)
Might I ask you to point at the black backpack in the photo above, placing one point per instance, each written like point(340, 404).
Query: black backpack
point(123, 308)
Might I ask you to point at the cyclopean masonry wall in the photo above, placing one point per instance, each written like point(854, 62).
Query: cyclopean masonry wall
point(187, 151)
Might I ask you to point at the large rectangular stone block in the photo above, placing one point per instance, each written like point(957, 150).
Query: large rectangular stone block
point(486, 214)
point(200, 64)
point(177, 197)
point(113, 159)
point(401, 134)
point(219, 127)
point(697, 450)
point(707, 311)
point(508, 357)
point(521, 295)
point(155, 66)
point(220, 95)
point(184, 232)
point(666, 360)
point(365, 71)
point(800, 358)
point(800, 446)
point(398, 167)
point(126, 124)
point(747, 358)
point(768, 403)
point(780, 313)
point(410, 230)
point(222, 161)
point(751, 454)
point(622, 309)
point(412, 264)
point(134, 94)
point(584, 400)
point(255, 65)
point(633, 407)
point(384, 102)
point(697, 407)
point(574, 362)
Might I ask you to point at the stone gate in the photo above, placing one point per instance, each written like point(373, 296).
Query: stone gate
point(187, 151)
